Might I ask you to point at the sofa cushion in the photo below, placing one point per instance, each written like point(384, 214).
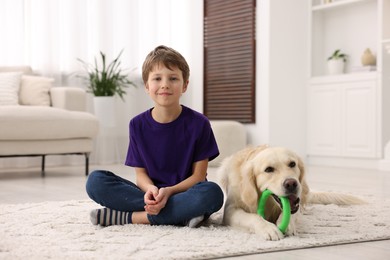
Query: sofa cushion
point(35, 90)
point(45, 123)
point(9, 87)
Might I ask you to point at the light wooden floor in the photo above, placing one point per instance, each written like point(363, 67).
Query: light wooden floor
point(66, 183)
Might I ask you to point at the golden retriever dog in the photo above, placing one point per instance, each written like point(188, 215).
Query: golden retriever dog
point(247, 173)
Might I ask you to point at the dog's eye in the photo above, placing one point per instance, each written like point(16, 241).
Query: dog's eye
point(292, 164)
point(269, 169)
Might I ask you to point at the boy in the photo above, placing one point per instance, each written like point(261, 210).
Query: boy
point(170, 146)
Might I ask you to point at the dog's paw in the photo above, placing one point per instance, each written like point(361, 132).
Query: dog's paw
point(269, 231)
point(292, 227)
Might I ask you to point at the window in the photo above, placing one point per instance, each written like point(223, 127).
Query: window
point(229, 60)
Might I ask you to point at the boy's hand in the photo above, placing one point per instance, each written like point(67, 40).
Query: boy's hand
point(150, 195)
point(159, 202)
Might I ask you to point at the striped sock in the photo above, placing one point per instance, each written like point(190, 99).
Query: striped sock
point(108, 217)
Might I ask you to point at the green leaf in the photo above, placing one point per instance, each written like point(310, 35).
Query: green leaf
point(109, 80)
point(338, 55)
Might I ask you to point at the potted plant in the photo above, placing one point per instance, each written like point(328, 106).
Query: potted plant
point(104, 82)
point(336, 62)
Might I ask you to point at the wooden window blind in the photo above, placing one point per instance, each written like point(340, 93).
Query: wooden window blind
point(229, 60)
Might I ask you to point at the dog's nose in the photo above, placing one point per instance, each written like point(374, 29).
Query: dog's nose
point(290, 185)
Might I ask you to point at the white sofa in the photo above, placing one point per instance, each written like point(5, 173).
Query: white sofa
point(46, 120)
point(230, 136)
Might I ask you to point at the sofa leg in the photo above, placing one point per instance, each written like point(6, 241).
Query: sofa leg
point(43, 166)
point(86, 164)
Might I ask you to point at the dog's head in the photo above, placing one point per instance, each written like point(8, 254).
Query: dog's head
point(277, 169)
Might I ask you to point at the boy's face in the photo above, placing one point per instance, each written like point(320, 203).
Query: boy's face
point(166, 86)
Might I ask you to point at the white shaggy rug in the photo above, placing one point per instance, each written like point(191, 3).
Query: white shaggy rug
point(61, 230)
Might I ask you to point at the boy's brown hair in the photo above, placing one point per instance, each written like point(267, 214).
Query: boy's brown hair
point(167, 56)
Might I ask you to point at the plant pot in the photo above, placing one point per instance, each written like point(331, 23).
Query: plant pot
point(336, 66)
point(104, 108)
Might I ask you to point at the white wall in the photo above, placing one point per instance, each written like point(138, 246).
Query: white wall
point(281, 75)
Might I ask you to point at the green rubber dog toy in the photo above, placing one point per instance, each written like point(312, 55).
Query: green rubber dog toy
point(285, 207)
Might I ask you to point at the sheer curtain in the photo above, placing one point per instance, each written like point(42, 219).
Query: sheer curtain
point(49, 35)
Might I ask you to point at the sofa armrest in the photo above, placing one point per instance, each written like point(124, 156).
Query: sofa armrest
point(230, 136)
point(70, 98)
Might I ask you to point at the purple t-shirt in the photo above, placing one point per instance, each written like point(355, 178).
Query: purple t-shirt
point(168, 151)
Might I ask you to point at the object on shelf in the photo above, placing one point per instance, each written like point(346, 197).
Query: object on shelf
point(336, 62)
point(368, 59)
point(366, 68)
point(327, 1)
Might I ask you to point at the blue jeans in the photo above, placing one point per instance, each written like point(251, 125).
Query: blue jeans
point(114, 192)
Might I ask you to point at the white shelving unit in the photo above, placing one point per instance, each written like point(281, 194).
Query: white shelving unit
point(348, 114)
point(320, 5)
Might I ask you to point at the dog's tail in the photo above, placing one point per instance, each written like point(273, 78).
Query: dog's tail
point(333, 198)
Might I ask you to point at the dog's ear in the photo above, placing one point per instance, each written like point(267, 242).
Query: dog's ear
point(249, 191)
point(302, 170)
point(302, 180)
